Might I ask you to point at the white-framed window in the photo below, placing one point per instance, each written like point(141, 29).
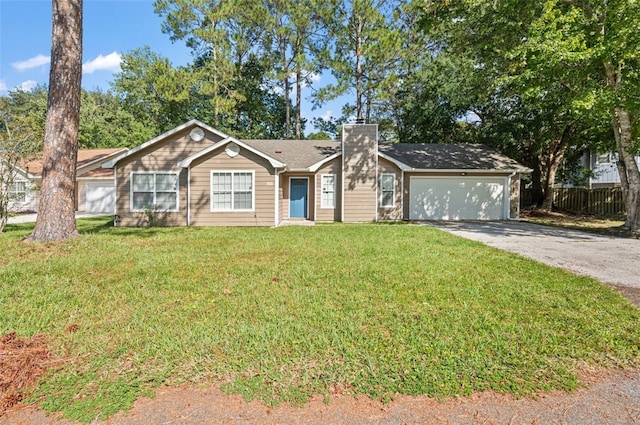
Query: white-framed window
point(387, 190)
point(156, 191)
point(328, 191)
point(18, 191)
point(604, 158)
point(232, 190)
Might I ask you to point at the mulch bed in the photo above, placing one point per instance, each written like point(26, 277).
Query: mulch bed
point(23, 362)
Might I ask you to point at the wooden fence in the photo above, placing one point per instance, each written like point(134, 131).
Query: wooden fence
point(604, 201)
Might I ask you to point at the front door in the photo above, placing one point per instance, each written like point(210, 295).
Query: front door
point(298, 198)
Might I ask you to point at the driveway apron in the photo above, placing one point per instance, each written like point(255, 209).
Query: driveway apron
point(609, 259)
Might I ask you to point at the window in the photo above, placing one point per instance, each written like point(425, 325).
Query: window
point(328, 191)
point(388, 190)
point(157, 191)
point(232, 191)
point(18, 191)
point(604, 158)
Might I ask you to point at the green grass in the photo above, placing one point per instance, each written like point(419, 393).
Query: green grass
point(282, 314)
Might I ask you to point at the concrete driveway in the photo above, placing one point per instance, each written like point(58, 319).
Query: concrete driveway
point(608, 259)
point(31, 218)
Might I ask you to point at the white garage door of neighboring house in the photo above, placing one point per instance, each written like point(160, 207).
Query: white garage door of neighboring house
point(100, 198)
point(458, 198)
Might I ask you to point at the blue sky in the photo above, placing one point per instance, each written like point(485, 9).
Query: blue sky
point(111, 28)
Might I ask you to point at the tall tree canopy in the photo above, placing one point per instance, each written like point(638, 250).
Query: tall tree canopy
point(566, 62)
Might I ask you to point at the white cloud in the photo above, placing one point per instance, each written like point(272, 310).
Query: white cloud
point(111, 62)
point(315, 77)
point(28, 85)
point(328, 114)
point(33, 62)
point(3, 86)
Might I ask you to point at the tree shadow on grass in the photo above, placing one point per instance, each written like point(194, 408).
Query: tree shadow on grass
point(104, 225)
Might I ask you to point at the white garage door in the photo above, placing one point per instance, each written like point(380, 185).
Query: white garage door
point(457, 198)
point(100, 198)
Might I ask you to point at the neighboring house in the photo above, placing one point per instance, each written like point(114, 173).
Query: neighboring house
point(195, 175)
point(94, 187)
point(605, 170)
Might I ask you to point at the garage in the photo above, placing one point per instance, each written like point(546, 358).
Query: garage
point(458, 198)
point(100, 197)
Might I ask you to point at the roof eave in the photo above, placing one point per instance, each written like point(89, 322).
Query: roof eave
point(469, 170)
point(102, 158)
point(399, 164)
point(315, 167)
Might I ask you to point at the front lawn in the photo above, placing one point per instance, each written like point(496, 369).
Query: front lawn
point(282, 314)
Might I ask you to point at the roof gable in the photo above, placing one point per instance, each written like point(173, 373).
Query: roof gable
point(186, 163)
point(86, 158)
point(162, 137)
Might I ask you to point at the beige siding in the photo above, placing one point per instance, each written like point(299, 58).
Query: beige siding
point(329, 214)
point(514, 201)
point(395, 212)
point(360, 158)
point(163, 155)
point(264, 190)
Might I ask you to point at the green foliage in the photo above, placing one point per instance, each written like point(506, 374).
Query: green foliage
point(538, 81)
point(105, 121)
point(153, 91)
point(366, 42)
point(18, 144)
point(381, 310)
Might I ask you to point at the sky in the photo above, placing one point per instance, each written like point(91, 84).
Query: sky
point(110, 28)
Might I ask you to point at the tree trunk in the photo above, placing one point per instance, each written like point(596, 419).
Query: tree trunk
point(537, 193)
point(624, 145)
point(553, 160)
point(286, 87)
point(56, 210)
point(624, 180)
point(298, 102)
point(552, 164)
point(622, 168)
point(358, 71)
point(632, 176)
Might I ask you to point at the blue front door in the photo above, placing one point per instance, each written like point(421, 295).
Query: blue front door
point(298, 201)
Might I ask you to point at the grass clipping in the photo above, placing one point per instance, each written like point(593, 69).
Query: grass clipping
point(22, 362)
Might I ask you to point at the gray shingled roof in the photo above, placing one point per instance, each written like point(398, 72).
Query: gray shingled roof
point(302, 154)
point(450, 157)
point(297, 154)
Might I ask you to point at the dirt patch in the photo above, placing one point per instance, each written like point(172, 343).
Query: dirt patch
point(612, 226)
point(632, 294)
point(608, 397)
point(22, 362)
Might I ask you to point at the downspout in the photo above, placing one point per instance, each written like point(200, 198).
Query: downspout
point(377, 210)
point(189, 196)
point(342, 178)
point(402, 195)
point(277, 198)
point(116, 218)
